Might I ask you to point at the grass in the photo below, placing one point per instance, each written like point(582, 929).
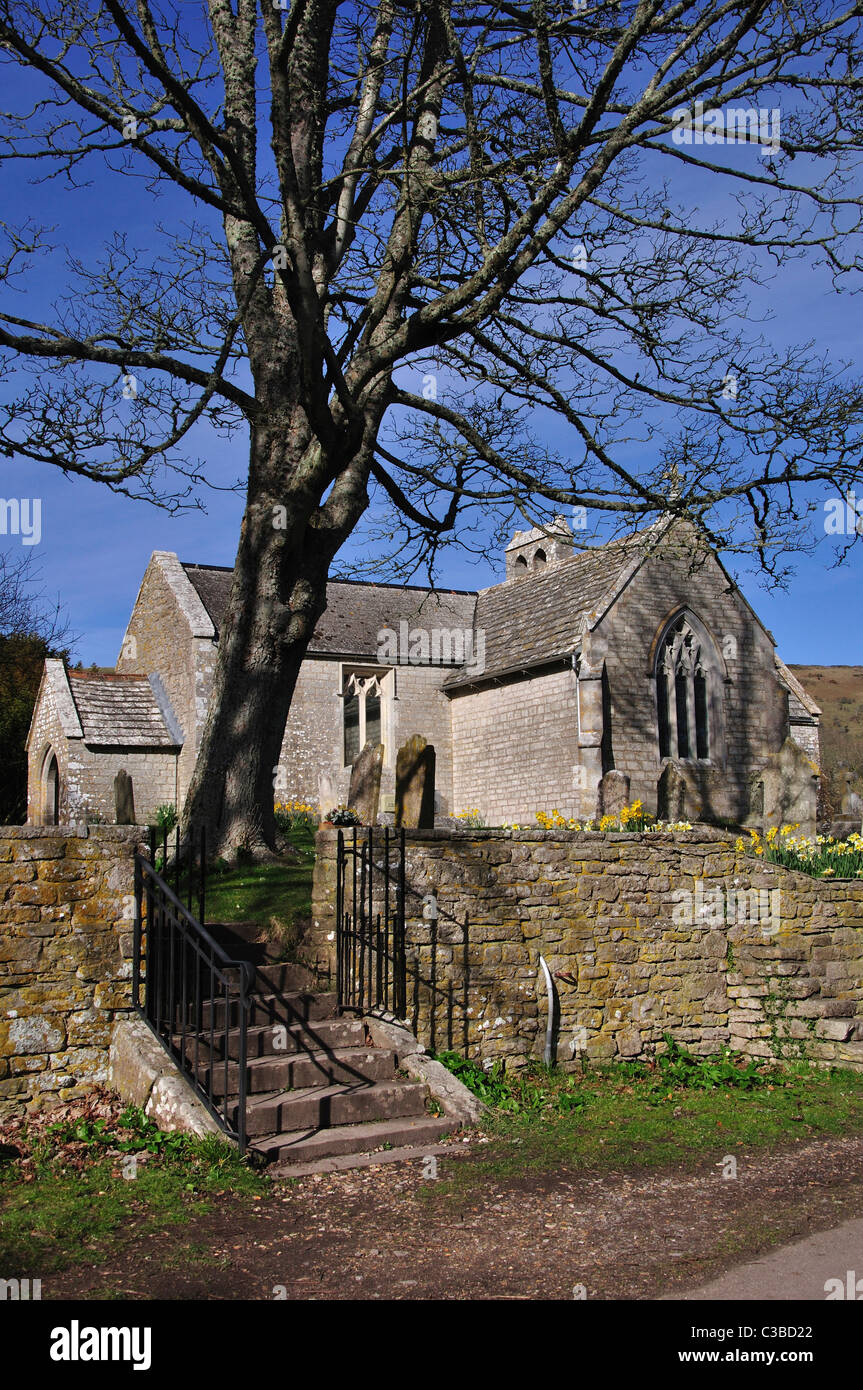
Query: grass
point(248, 892)
point(65, 1207)
point(628, 1115)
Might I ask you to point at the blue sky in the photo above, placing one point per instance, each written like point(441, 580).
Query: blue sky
point(95, 545)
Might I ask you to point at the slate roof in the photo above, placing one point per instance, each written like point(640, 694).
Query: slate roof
point(118, 710)
point(541, 617)
point(527, 622)
point(356, 612)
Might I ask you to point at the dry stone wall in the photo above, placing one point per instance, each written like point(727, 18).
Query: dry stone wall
point(66, 918)
point(644, 934)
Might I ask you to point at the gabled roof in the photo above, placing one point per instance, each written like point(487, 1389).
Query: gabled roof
point(541, 618)
point(356, 612)
point(118, 710)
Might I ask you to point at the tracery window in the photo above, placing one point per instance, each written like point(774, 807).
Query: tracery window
point(683, 695)
point(362, 718)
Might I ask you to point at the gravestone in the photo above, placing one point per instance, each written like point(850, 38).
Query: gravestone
point(415, 776)
point(671, 793)
point(365, 789)
point(613, 793)
point(852, 804)
point(327, 798)
point(850, 818)
point(124, 799)
point(790, 784)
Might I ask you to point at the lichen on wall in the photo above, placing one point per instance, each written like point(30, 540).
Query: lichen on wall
point(645, 934)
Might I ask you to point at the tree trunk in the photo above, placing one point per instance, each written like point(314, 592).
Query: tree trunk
point(278, 594)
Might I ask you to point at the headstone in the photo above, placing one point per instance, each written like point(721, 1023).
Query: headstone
point(124, 799)
point(671, 798)
point(365, 789)
point(613, 793)
point(415, 774)
point(327, 798)
point(852, 804)
point(790, 783)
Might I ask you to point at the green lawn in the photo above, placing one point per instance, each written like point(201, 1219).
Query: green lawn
point(613, 1117)
point(239, 892)
point(75, 1202)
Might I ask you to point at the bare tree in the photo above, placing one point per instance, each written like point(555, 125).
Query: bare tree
point(414, 227)
point(25, 608)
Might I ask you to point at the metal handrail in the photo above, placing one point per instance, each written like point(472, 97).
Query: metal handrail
point(165, 995)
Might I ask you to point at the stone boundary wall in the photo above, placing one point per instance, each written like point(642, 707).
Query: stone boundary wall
point(66, 920)
point(646, 935)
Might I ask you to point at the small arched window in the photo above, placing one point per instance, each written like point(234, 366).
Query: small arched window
point(540, 560)
point(51, 790)
point(521, 564)
point(683, 695)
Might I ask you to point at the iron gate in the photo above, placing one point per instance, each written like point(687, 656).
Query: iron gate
point(370, 920)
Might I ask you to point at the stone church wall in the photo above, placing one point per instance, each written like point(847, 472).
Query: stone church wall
point(516, 748)
point(314, 738)
point(753, 708)
point(48, 734)
point(644, 933)
point(157, 640)
point(154, 782)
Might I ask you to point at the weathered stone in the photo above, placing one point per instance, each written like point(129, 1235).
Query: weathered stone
point(142, 1073)
point(726, 983)
point(671, 793)
point(365, 789)
point(790, 784)
point(415, 784)
point(613, 793)
point(327, 797)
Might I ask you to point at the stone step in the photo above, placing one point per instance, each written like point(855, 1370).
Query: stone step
point(322, 1107)
point(292, 1008)
point(282, 978)
point(310, 1146)
point(277, 1040)
point(299, 1072)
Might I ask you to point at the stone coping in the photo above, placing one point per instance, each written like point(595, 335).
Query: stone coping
point(701, 834)
point(82, 831)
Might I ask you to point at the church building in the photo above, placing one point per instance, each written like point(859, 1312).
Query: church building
point(630, 658)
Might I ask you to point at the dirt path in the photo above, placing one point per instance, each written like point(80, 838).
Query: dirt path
point(389, 1233)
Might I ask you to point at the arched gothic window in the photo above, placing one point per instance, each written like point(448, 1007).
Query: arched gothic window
point(683, 694)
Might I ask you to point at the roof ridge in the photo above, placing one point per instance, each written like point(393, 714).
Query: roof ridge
point(105, 675)
point(358, 583)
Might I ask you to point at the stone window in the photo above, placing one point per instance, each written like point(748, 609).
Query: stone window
point(50, 789)
point(366, 695)
point(683, 694)
point(540, 560)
